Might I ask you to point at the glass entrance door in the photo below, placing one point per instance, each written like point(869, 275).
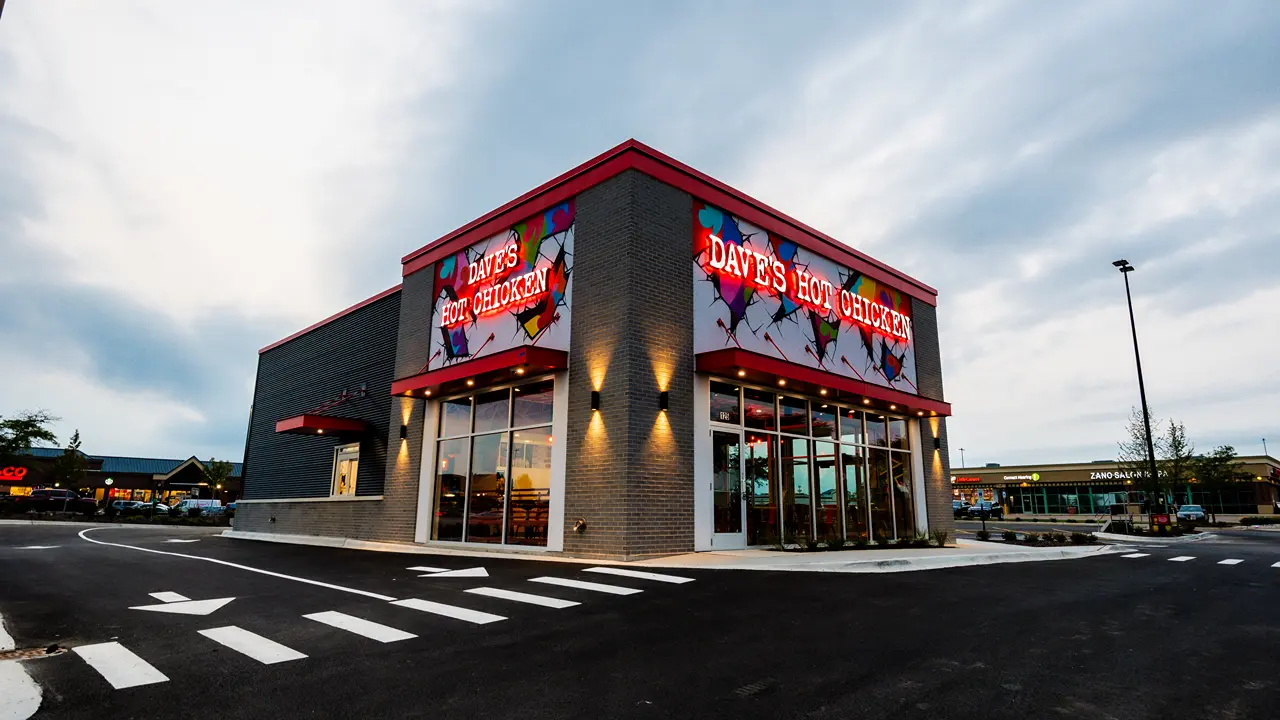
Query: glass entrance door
point(726, 490)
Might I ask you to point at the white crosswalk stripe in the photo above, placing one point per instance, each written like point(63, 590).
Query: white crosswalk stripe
point(360, 626)
point(623, 572)
point(1136, 555)
point(265, 651)
point(583, 585)
point(1182, 558)
point(453, 611)
point(1276, 565)
point(119, 665)
point(529, 598)
point(167, 596)
point(1231, 561)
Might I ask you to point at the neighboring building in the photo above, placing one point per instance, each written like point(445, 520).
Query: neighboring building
point(633, 359)
point(1092, 488)
point(118, 478)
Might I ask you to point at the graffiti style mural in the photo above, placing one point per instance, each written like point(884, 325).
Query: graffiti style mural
point(509, 290)
point(763, 293)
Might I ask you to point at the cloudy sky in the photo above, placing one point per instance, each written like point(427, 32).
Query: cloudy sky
point(183, 183)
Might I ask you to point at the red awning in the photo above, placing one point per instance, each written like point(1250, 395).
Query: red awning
point(488, 370)
point(321, 425)
point(763, 370)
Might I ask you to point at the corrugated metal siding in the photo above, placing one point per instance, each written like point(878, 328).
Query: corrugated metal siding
point(307, 371)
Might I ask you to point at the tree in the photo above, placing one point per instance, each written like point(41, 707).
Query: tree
point(216, 473)
point(69, 468)
point(1216, 472)
point(1177, 462)
point(1133, 457)
point(25, 431)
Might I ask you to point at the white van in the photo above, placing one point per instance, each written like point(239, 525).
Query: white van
point(207, 506)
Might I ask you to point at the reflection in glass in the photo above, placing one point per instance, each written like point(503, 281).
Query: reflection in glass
point(828, 489)
point(726, 482)
point(724, 403)
point(488, 487)
point(492, 410)
point(533, 404)
point(451, 493)
point(876, 434)
point(762, 490)
point(455, 417)
point(823, 420)
point(851, 426)
point(797, 514)
point(898, 433)
point(855, 493)
point(758, 413)
point(530, 485)
point(794, 415)
point(879, 496)
point(904, 507)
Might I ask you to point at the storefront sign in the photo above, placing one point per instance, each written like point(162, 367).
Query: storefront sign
point(764, 293)
point(509, 290)
point(1015, 478)
point(966, 479)
point(12, 474)
point(1121, 475)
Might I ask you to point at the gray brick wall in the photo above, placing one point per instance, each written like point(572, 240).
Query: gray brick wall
point(924, 324)
point(937, 476)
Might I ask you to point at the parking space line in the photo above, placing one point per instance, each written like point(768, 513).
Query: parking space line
point(1136, 555)
point(1182, 558)
point(583, 585)
point(623, 572)
point(264, 650)
point(360, 626)
point(119, 665)
point(529, 598)
point(1231, 561)
point(452, 611)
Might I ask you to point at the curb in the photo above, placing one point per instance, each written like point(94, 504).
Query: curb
point(933, 562)
point(1151, 539)
point(21, 695)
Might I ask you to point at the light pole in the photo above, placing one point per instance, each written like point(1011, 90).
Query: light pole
point(1125, 268)
point(1264, 448)
point(962, 458)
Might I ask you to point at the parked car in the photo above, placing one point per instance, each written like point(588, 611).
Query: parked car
point(959, 508)
point(54, 500)
point(987, 509)
point(207, 506)
point(1191, 512)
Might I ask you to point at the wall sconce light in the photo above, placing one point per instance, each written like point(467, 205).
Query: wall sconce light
point(404, 432)
point(937, 443)
point(595, 399)
point(663, 400)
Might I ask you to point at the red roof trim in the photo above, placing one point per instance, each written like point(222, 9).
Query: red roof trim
point(333, 317)
point(728, 361)
point(310, 424)
point(538, 359)
point(636, 155)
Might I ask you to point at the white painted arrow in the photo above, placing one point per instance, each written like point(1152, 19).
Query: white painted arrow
point(468, 572)
point(420, 568)
point(182, 541)
point(187, 607)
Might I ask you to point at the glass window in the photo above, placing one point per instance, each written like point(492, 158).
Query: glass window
point(828, 489)
point(530, 485)
point(851, 426)
point(726, 481)
point(794, 415)
point(904, 506)
point(761, 484)
point(759, 413)
point(724, 403)
point(533, 404)
point(855, 492)
point(492, 411)
point(346, 465)
point(876, 433)
point(879, 495)
point(797, 516)
point(487, 491)
point(898, 434)
point(455, 417)
point(451, 493)
point(823, 420)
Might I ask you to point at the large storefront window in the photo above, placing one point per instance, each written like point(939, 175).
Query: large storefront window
point(496, 469)
point(813, 469)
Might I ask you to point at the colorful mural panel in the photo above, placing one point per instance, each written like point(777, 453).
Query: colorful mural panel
point(509, 290)
point(763, 293)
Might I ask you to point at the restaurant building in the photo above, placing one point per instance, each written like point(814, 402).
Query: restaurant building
point(116, 477)
point(633, 359)
point(1092, 488)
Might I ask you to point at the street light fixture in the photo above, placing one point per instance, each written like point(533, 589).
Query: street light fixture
point(1125, 268)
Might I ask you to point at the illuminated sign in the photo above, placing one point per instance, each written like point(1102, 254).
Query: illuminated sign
point(1120, 475)
point(809, 288)
point(1032, 476)
point(966, 479)
point(12, 474)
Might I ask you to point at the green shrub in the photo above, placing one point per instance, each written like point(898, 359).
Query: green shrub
point(1057, 538)
point(1031, 538)
point(1260, 520)
point(1079, 538)
point(1009, 536)
point(939, 537)
point(861, 544)
point(811, 545)
point(835, 542)
point(984, 535)
point(920, 541)
point(1072, 520)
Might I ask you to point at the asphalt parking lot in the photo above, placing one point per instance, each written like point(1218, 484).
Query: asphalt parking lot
point(321, 632)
